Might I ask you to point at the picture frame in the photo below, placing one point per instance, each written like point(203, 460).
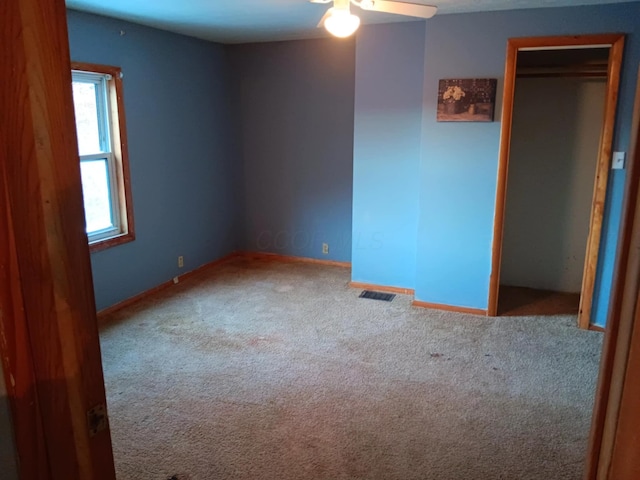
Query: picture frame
point(466, 100)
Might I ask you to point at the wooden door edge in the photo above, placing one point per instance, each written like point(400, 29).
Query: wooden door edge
point(16, 357)
point(620, 321)
point(51, 286)
point(503, 171)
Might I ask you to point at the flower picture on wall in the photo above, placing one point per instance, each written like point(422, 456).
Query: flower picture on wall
point(466, 100)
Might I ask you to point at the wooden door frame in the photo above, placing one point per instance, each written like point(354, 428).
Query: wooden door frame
point(613, 442)
point(49, 345)
point(616, 44)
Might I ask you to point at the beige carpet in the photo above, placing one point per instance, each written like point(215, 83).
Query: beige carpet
point(263, 370)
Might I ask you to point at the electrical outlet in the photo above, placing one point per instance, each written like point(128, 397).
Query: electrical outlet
point(325, 248)
point(180, 261)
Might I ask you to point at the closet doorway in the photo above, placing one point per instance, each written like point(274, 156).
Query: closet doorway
point(558, 116)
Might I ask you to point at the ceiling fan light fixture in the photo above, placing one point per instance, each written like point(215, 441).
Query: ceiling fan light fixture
point(341, 23)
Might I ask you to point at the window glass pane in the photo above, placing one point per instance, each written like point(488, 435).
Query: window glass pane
point(87, 125)
point(95, 188)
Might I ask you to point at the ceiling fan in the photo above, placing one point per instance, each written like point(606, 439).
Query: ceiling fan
point(340, 22)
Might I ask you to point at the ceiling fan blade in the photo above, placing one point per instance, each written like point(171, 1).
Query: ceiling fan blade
point(399, 8)
point(324, 17)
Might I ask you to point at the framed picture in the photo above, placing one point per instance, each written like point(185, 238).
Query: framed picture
point(466, 100)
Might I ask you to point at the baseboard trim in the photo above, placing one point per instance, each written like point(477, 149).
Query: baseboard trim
point(449, 308)
point(291, 259)
point(596, 328)
point(382, 288)
point(102, 314)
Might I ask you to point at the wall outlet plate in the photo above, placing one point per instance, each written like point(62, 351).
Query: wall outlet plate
point(325, 248)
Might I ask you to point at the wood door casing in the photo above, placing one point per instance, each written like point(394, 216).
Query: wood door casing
point(616, 43)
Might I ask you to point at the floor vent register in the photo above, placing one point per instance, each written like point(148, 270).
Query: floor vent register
point(370, 294)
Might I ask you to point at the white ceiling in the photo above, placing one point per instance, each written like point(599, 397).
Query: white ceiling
point(240, 21)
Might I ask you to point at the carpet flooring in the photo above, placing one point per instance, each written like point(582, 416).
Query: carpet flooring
point(264, 370)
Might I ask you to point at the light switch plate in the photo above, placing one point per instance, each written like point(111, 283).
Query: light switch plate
point(618, 161)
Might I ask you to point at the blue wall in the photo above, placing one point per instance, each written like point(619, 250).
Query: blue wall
point(184, 170)
point(262, 159)
point(386, 157)
point(296, 106)
point(459, 164)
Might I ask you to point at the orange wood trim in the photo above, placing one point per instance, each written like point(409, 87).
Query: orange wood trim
point(605, 39)
point(616, 41)
point(563, 75)
point(41, 175)
point(111, 242)
point(449, 308)
point(104, 313)
point(16, 355)
point(624, 463)
point(596, 328)
point(620, 322)
point(292, 259)
point(207, 266)
point(97, 68)
point(382, 288)
point(600, 187)
point(503, 171)
point(120, 152)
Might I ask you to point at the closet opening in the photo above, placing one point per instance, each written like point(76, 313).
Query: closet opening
point(557, 130)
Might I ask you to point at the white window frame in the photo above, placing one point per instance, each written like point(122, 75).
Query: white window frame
point(112, 143)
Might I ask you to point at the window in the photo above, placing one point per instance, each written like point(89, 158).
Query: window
point(104, 168)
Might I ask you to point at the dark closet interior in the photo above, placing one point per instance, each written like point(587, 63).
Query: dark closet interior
point(558, 117)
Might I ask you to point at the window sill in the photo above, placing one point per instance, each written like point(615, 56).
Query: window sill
point(111, 242)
